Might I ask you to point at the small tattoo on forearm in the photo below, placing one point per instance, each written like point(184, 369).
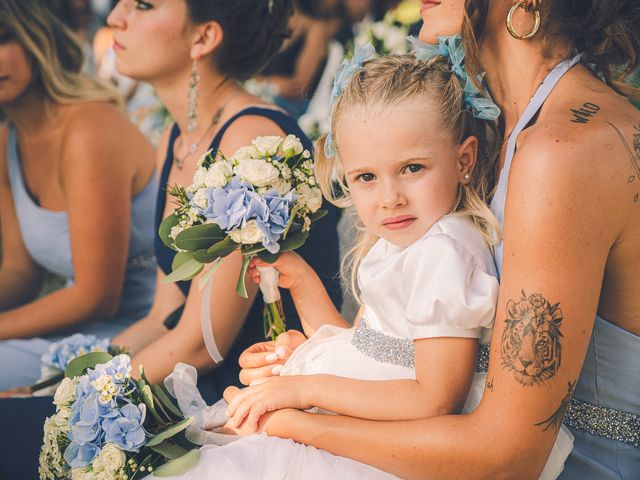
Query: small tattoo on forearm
point(584, 113)
point(490, 384)
point(555, 420)
point(634, 156)
point(531, 346)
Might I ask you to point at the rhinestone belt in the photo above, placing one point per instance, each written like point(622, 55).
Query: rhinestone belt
point(398, 351)
point(604, 422)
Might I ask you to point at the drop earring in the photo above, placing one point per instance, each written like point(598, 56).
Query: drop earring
point(194, 79)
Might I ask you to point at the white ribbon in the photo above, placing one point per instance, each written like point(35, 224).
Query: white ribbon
point(205, 322)
point(269, 284)
point(182, 384)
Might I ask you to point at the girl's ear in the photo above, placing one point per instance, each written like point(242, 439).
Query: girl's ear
point(467, 156)
point(206, 38)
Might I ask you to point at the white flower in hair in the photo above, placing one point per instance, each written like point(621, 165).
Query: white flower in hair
point(257, 172)
point(267, 146)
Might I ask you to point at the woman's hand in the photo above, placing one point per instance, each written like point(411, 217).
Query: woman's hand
point(247, 406)
point(265, 359)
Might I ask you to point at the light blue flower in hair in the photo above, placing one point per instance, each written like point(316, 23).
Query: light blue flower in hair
point(451, 48)
point(345, 71)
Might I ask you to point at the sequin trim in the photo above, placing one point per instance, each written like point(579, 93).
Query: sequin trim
point(604, 422)
point(483, 359)
point(382, 347)
point(398, 351)
point(142, 261)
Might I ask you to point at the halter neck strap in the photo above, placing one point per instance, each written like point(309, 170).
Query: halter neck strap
point(536, 102)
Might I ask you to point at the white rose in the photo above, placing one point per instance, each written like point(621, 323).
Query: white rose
point(249, 234)
point(311, 197)
point(307, 153)
point(281, 186)
point(200, 176)
point(82, 474)
point(257, 172)
point(379, 30)
point(267, 146)
point(244, 153)
point(292, 145)
point(175, 231)
point(65, 393)
point(218, 174)
point(200, 198)
point(112, 458)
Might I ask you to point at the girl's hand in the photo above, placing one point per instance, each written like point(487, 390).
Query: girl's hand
point(265, 359)
point(293, 269)
point(248, 405)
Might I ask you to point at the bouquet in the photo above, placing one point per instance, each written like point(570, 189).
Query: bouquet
point(56, 359)
point(109, 426)
point(262, 201)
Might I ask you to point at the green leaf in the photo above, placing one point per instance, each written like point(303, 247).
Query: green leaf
point(186, 271)
point(165, 230)
point(252, 249)
point(292, 216)
point(240, 287)
point(293, 241)
point(268, 256)
point(147, 398)
point(179, 465)
point(160, 437)
point(199, 237)
point(317, 215)
point(79, 365)
point(207, 275)
point(223, 247)
point(164, 398)
point(169, 450)
point(203, 257)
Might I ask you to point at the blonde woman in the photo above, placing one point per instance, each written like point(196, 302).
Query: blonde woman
point(77, 190)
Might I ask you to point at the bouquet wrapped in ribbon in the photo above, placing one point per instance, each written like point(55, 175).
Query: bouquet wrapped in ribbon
point(261, 201)
point(56, 359)
point(108, 425)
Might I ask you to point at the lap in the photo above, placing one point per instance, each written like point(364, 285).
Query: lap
point(20, 361)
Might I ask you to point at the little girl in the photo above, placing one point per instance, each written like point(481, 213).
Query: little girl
point(417, 164)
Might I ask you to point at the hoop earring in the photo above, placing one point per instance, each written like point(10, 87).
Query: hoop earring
point(192, 111)
point(529, 7)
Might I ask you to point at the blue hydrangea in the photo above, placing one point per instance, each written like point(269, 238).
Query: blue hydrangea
point(60, 353)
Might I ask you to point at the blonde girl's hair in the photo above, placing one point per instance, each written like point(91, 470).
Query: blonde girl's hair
point(392, 80)
point(54, 52)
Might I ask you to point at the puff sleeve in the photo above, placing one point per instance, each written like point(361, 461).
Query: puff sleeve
point(447, 292)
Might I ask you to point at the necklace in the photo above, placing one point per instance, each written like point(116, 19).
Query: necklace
point(179, 162)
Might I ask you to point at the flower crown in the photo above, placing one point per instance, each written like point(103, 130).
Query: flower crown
point(449, 47)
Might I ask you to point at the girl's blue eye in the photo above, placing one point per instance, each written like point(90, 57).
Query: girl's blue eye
point(142, 5)
point(366, 177)
point(413, 167)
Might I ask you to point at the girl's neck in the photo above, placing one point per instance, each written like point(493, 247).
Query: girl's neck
point(515, 69)
point(31, 112)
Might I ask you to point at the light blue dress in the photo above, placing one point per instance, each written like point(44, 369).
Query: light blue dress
point(46, 236)
point(604, 415)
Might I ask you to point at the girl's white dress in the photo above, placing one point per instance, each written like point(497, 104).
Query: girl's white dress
point(443, 285)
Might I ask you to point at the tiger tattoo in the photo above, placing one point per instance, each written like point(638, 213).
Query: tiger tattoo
point(531, 346)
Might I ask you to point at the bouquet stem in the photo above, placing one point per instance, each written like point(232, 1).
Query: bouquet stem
point(273, 315)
